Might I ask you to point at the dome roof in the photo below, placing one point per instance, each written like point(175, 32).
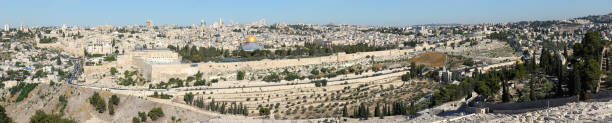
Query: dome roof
point(251, 38)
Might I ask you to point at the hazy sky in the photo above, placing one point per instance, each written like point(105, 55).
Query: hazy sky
point(361, 12)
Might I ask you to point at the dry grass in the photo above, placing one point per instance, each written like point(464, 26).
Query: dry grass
point(432, 59)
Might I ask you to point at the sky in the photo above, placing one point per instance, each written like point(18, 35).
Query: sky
point(358, 12)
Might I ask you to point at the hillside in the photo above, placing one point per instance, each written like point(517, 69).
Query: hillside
point(46, 98)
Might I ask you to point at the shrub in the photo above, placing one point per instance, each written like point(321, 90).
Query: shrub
point(110, 58)
point(113, 71)
point(114, 100)
point(42, 117)
point(319, 83)
point(272, 78)
point(24, 90)
point(111, 108)
point(188, 98)
point(156, 113)
point(135, 120)
point(98, 102)
point(240, 75)
point(143, 116)
point(264, 111)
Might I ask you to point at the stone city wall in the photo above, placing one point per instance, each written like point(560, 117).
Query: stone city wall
point(162, 72)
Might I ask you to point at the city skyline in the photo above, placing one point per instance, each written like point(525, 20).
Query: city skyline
point(385, 13)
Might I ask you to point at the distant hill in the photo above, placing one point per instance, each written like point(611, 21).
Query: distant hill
point(598, 18)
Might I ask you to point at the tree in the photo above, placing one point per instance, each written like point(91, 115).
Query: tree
point(264, 111)
point(156, 113)
point(114, 100)
point(113, 71)
point(58, 61)
point(98, 102)
point(344, 111)
point(188, 98)
point(377, 110)
point(592, 73)
point(505, 94)
point(412, 109)
point(532, 95)
point(585, 63)
point(111, 108)
point(135, 120)
point(574, 84)
point(384, 111)
point(314, 71)
point(272, 78)
point(143, 116)
point(198, 75)
point(42, 117)
point(406, 77)
point(240, 75)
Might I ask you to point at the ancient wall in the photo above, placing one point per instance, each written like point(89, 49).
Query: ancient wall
point(162, 72)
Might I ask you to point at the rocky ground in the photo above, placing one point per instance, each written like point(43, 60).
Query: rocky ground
point(46, 98)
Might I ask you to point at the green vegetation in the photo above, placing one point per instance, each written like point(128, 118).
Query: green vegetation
point(581, 79)
point(3, 117)
point(135, 120)
point(42, 117)
point(46, 40)
point(114, 100)
point(58, 60)
point(363, 112)
point(17, 75)
point(188, 98)
point(177, 82)
point(314, 71)
point(195, 54)
point(110, 58)
point(199, 82)
point(586, 70)
point(62, 103)
point(156, 113)
point(98, 101)
point(129, 79)
point(240, 75)
point(319, 83)
point(264, 111)
point(290, 76)
point(111, 108)
point(39, 74)
point(272, 78)
point(143, 116)
point(502, 36)
point(24, 90)
point(113, 71)
point(222, 107)
point(160, 96)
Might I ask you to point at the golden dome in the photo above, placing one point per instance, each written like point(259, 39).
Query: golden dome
point(251, 39)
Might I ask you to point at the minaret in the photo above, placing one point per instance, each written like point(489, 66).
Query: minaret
point(202, 23)
point(63, 27)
